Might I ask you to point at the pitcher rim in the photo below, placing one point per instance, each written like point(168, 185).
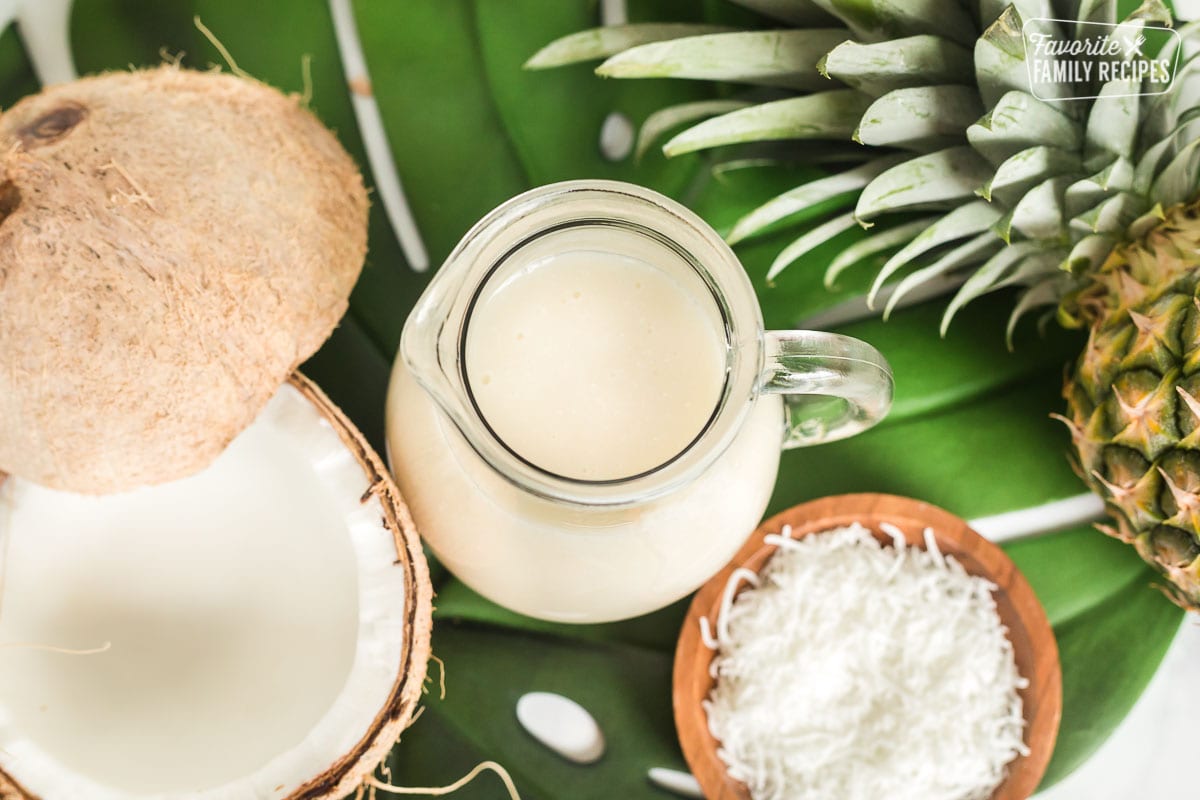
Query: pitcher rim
point(455, 289)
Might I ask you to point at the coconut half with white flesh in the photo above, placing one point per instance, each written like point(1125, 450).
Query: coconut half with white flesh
point(263, 625)
point(209, 586)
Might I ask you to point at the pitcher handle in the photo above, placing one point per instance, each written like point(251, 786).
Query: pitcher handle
point(833, 386)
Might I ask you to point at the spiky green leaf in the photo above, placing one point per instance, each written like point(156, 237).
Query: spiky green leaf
point(883, 67)
point(1104, 11)
point(1152, 11)
point(1116, 176)
point(769, 58)
point(1163, 109)
point(1018, 121)
point(1006, 267)
point(801, 13)
point(671, 117)
point(808, 242)
point(930, 180)
point(1040, 213)
point(1119, 175)
point(974, 251)
point(1089, 253)
point(1047, 292)
point(1186, 32)
point(962, 222)
point(1113, 122)
point(1022, 171)
point(990, 10)
point(878, 20)
point(1150, 162)
point(1178, 181)
point(833, 154)
point(808, 195)
point(827, 115)
point(874, 244)
point(1000, 59)
point(602, 42)
point(921, 118)
point(1145, 223)
point(1113, 214)
point(1087, 193)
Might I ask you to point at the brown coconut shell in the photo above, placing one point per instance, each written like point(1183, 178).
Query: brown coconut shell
point(172, 245)
point(343, 777)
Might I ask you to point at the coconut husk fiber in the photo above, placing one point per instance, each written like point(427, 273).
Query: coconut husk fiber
point(172, 244)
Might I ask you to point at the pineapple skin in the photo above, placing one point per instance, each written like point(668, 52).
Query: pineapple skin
point(1133, 397)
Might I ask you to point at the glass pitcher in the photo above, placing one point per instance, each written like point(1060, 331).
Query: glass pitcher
point(567, 547)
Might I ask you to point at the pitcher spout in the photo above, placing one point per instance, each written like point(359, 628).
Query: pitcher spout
point(427, 352)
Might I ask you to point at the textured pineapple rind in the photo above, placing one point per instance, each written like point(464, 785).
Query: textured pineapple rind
point(1133, 398)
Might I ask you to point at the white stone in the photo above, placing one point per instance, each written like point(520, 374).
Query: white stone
point(681, 783)
point(616, 137)
point(562, 725)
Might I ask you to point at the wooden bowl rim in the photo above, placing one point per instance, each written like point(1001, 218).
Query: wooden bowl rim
point(1020, 611)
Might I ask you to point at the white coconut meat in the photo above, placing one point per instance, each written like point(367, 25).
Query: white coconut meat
point(267, 623)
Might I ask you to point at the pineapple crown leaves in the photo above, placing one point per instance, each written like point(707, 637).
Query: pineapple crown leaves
point(1010, 189)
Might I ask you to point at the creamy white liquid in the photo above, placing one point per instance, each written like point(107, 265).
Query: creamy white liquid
point(604, 384)
point(594, 366)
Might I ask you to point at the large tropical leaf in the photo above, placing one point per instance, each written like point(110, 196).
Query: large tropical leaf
point(468, 129)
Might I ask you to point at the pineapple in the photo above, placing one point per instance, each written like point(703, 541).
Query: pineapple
point(1133, 399)
point(1091, 207)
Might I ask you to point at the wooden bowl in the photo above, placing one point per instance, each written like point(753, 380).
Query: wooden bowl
point(1034, 646)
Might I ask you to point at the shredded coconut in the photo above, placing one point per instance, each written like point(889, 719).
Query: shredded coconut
point(855, 671)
